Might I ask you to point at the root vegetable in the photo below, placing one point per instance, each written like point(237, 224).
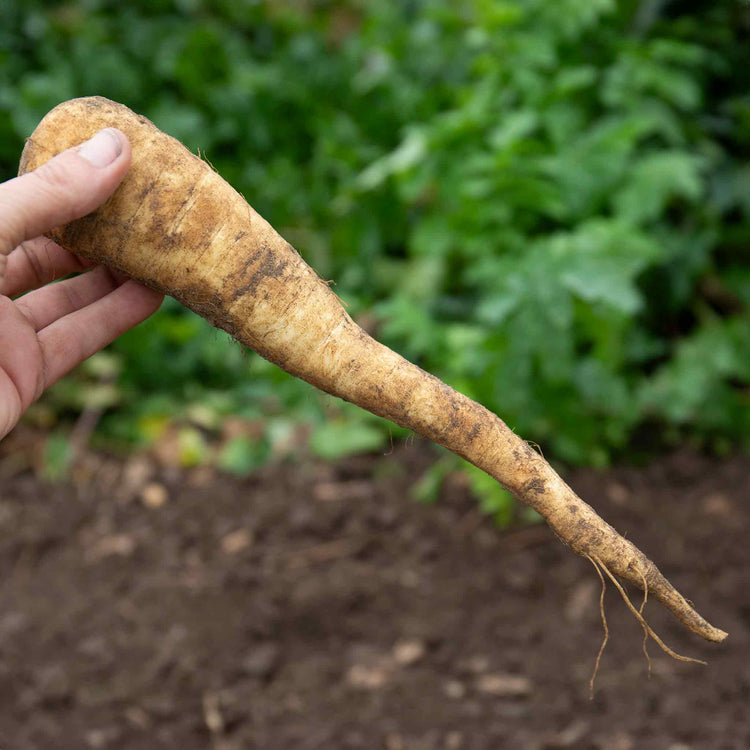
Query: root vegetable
point(175, 225)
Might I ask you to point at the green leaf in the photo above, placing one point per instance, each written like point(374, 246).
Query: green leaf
point(57, 457)
point(514, 127)
point(494, 499)
point(242, 455)
point(657, 179)
point(697, 382)
point(411, 151)
point(335, 440)
point(427, 488)
point(601, 262)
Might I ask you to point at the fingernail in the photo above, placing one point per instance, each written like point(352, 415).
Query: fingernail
point(102, 149)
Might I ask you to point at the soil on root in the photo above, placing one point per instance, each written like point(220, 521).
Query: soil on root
point(318, 606)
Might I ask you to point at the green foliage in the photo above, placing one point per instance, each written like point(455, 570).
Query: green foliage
point(243, 454)
point(57, 457)
point(427, 488)
point(546, 204)
point(338, 439)
point(494, 500)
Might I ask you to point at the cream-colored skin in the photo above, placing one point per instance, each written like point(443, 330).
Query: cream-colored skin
point(176, 226)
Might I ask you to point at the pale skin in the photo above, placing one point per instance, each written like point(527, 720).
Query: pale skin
point(48, 329)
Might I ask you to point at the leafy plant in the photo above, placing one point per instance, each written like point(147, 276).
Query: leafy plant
point(546, 204)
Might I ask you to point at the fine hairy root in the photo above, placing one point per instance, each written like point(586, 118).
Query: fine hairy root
point(604, 624)
point(646, 627)
point(647, 630)
point(176, 226)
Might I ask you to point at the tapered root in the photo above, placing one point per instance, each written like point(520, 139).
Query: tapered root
point(648, 632)
point(176, 226)
point(577, 525)
point(640, 571)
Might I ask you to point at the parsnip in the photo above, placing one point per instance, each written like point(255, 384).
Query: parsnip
point(175, 225)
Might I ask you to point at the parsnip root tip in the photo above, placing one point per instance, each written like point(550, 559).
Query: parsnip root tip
point(642, 621)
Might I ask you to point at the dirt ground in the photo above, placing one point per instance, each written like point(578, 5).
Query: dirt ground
point(318, 606)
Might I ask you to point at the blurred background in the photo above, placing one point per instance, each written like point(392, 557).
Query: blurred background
point(545, 204)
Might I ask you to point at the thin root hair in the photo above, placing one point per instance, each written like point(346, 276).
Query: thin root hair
point(604, 623)
point(643, 622)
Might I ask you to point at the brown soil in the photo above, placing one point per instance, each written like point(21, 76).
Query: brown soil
point(315, 606)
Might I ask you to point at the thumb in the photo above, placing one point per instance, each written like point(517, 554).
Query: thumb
point(68, 186)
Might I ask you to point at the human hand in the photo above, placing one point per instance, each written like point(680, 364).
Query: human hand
point(46, 333)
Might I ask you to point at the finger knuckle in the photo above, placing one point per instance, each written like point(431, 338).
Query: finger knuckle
point(75, 300)
point(55, 174)
point(35, 264)
point(8, 234)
